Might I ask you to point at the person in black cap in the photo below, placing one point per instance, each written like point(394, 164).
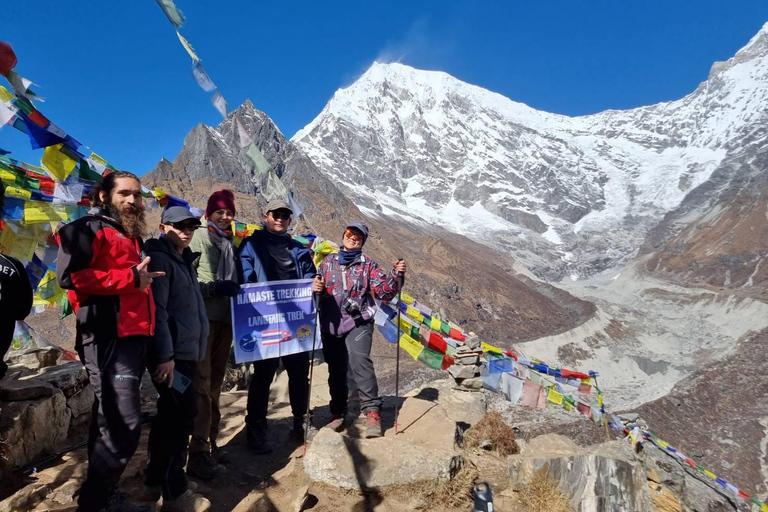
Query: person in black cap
point(179, 343)
point(348, 282)
point(271, 255)
point(15, 295)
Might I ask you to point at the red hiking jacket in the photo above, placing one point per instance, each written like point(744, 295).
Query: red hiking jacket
point(97, 265)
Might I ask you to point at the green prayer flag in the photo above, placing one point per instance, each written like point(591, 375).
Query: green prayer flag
point(87, 173)
point(431, 358)
point(445, 328)
point(66, 307)
point(260, 164)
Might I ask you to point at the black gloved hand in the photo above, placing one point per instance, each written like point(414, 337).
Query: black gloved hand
point(224, 289)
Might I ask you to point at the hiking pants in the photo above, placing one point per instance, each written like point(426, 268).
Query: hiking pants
point(115, 368)
point(351, 351)
point(210, 372)
point(169, 435)
point(297, 367)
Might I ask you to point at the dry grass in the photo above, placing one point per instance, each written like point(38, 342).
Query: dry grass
point(454, 494)
point(492, 428)
point(542, 493)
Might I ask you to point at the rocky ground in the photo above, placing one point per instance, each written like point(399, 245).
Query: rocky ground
point(421, 465)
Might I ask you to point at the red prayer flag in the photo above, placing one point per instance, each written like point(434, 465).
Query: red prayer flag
point(447, 362)
point(39, 119)
point(437, 343)
point(570, 374)
point(456, 334)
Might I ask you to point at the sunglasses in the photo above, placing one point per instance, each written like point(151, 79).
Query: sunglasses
point(185, 226)
point(278, 215)
point(354, 235)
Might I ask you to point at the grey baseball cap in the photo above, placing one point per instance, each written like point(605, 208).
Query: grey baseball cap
point(177, 214)
point(278, 204)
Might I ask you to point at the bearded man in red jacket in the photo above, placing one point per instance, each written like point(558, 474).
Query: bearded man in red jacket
point(100, 263)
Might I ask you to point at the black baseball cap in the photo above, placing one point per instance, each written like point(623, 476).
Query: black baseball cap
point(176, 214)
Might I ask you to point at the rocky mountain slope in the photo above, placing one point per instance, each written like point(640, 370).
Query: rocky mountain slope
point(568, 196)
point(471, 283)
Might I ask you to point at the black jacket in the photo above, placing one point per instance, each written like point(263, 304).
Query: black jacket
point(181, 328)
point(15, 301)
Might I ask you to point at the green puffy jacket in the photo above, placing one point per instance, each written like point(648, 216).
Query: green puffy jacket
point(206, 265)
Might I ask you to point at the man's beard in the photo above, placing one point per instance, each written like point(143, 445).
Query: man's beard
point(132, 219)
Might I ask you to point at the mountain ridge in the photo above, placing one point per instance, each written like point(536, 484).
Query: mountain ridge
point(423, 145)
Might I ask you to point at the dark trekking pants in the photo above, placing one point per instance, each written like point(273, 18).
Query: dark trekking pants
point(115, 368)
point(170, 431)
point(297, 367)
point(351, 351)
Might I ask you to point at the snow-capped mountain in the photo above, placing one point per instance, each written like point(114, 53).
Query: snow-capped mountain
point(568, 195)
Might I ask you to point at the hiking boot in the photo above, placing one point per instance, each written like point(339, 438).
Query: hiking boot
point(219, 455)
point(201, 465)
point(336, 423)
point(300, 425)
point(120, 502)
point(188, 502)
point(153, 490)
point(373, 424)
point(256, 436)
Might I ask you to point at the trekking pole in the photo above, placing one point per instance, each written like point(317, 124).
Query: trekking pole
point(401, 283)
point(316, 301)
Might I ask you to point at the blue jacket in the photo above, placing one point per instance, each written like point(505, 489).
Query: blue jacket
point(254, 257)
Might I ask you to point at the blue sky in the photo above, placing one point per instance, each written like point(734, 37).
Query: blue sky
point(115, 76)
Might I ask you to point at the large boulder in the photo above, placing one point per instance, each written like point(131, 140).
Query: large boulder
point(671, 482)
point(372, 463)
point(600, 477)
point(422, 447)
point(31, 428)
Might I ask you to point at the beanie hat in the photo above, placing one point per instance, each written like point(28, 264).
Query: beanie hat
point(219, 200)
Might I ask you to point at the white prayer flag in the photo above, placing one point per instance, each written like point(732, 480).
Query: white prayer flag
point(220, 103)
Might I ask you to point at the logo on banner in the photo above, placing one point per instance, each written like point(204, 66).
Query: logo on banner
point(304, 333)
point(249, 341)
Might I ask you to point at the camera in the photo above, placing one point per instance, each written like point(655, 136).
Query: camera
point(352, 307)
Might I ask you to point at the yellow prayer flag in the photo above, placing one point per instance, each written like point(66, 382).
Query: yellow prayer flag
point(710, 474)
point(600, 400)
point(19, 247)
point(159, 193)
point(414, 313)
point(567, 406)
point(764, 508)
point(405, 324)
point(663, 444)
point(57, 163)
point(435, 324)
point(490, 348)
point(96, 158)
point(555, 397)
point(5, 94)
point(407, 298)
point(18, 192)
point(39, 211)
point(586, 382)
point(410, 345)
